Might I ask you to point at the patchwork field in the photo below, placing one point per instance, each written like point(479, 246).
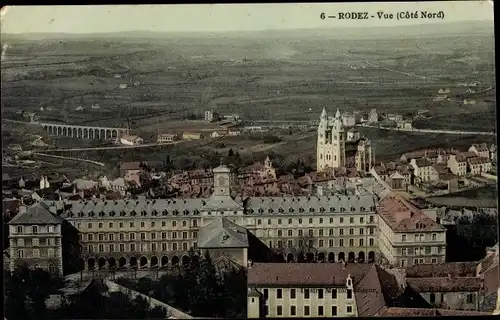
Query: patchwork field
point(291, 77)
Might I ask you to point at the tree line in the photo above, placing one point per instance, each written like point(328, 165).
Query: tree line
point(26, 293)
point(198, 288)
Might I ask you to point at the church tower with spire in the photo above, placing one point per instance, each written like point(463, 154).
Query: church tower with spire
point(331, 142)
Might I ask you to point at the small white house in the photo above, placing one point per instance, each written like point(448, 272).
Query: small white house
point(130, 140)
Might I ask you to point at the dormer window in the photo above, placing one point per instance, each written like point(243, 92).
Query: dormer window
point(176, 212)
point(80, 214)
point(290, 210)
point(280, 210)
point(101, 214)
point(133, 213)
point(123, 213)
point(186, 212)
point(270, 210)
point(301, 210)
point(112, 213)
point(332, 209)
point(143, 213)
point(342, 209)
point(311, 209)
point(362, 209)
point(261, 210)
point(164, 213)
point(353, 209)
point(154, 213)
point(321, 209)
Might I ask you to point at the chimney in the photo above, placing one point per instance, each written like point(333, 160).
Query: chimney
point(22, 208)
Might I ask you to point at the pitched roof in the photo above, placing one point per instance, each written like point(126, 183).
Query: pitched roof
point(457, 269)
point(442, 284)
point(401, 216)
point(39, 213)
point(477, 160)
point(469, 154)
point(371, 292)
point(130, 165)
point(223, 233)
point(422, 162)
point(483, 147)
point(300, 274)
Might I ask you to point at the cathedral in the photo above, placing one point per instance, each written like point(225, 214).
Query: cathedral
point(339, 147)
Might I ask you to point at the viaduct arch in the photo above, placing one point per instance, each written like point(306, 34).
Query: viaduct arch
point(83, 132)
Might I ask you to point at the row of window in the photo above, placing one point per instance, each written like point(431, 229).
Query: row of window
point(35, 253)
point(320, 220)
point(307, 293)
point(320, 232)
point(420, 251)
point(35, 229)
point(173, 235)
point(35, 242)
point(131, 224)
point(307, 311)
point(312, 210)
point(139, 247)
point(418, 261)
point(419, 237)
point(321, 243)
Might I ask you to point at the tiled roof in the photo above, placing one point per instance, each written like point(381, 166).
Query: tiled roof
point(445, 284)
point(423, 312)
point(38, 213)
point(223, 233)
point(477, 160)
point(10, 205)
point(401, 216)
point(369, 293)
point(159, 208)
point(469, 154)
point(481, 147)
point(130, 165)
point(313, 204)
point(440, 168)
point(303, 274)
point(422, 162)
point(457, 269)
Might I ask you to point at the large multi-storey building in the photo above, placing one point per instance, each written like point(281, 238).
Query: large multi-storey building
point(407, 235)
point(314, 290)
point(144, 233)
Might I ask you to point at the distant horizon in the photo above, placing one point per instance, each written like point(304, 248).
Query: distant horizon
point(216, 18)
point(249, 31)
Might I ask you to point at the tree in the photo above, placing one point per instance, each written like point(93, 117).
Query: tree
point(210, 288)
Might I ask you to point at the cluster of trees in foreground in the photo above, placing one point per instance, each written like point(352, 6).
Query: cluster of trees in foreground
point(26, 293)
point(198, 289)
point(468, 239)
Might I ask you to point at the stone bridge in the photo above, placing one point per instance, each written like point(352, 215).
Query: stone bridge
point(83, 132)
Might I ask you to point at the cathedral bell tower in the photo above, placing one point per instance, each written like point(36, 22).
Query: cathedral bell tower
point(331, 142)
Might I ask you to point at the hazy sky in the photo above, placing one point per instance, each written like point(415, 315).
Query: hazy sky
point(222, 17)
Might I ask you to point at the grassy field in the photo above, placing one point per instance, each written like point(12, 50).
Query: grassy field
point(267, 78)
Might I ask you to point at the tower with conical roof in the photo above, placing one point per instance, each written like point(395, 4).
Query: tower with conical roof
point(331, 142)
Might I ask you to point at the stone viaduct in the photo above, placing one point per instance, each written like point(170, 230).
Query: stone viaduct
point(83, 132)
